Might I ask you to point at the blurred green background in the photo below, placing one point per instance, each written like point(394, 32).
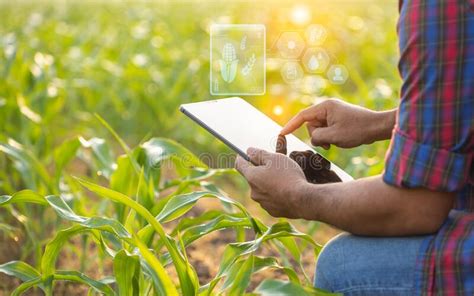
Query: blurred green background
point(134, 63)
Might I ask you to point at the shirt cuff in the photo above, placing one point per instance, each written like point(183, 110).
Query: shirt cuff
point(412, 164)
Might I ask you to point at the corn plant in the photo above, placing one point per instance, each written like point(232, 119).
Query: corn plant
point(137, 220)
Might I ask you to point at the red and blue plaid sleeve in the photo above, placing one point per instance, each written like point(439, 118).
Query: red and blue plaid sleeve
point(433, 140)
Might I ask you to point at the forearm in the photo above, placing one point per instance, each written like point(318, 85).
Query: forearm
point(383, 123)
point(371, 207)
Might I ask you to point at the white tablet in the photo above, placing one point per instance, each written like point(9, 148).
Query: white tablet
point(240, 125)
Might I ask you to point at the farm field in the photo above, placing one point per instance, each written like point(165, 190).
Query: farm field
point(106, 188)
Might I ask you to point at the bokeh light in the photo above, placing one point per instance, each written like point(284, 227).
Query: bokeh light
point(300, 15)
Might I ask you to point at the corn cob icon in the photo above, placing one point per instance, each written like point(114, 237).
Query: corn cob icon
point(228, 63)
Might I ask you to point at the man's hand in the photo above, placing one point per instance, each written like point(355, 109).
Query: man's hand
point(342, 124)
point(274, 181)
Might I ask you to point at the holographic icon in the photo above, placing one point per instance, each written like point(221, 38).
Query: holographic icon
point(313, 84)
point(291, 72)
point(237, 59)
point(243, 43)
point(338, 74)
point(315, 34)
point(290, 45)
point(313, 63)
point(247, 69)
point(228, 63)
point(315, 60)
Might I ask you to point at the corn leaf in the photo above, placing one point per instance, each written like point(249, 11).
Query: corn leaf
point(75, 276)
point(52, 249)
point(187, 275)
point(64, 154)
point(102, 155)
point(27, 196)
point(156, 150)
point(162, 281)
point(238, 277)
point(179, 205)
point(99, 223)
point(26, 286)
point(196, 228)
point(272, 287)
point(30, 167)
point(127, 273)
point(20, 269)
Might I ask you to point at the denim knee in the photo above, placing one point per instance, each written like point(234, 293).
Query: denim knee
point(330, 263)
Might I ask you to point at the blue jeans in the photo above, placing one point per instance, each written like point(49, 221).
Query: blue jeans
point(355, 265)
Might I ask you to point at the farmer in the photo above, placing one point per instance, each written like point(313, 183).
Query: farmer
point(409, 230)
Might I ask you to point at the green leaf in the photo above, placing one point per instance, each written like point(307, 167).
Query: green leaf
point(75, 276)
point(99, 223)
point(27, 196)
point(272, 287)
point(262, 263)
point(52, 249)
point(20, 269)
point(195, 228)
point(235, 251)
point(30, 165)
point(238, 277)
point(113, 132)
point(102, 155)
point(187, 275)
point(127, 273)
point(163, 282)
point(156, 150)
point(124, 179)
point(65, 153)
point(120, 140)
point(26, 286)
point(179, 205)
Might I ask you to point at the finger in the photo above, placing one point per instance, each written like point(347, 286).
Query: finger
point(242, 165)
point(311, 113)
point(259, 156)
point(323, 136)
point(255, 196)
point(311, 126)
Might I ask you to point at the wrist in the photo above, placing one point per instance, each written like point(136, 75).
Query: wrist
point(382, 125)
point(305, 196)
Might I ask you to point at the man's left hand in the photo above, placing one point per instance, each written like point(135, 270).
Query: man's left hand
point(275, 181)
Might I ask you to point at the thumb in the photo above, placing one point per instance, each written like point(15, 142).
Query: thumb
point(323, 136)
point(242, 165)
point(258, 156)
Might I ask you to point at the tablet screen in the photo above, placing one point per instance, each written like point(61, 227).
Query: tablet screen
point(240, 125)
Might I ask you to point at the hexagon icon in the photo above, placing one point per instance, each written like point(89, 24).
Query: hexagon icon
point(313, 84)
point(315, 34)
point(291, 72)
point(337, 74)
point(290, 45)
point(315, 60)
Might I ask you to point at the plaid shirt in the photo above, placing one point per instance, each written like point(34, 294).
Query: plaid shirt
point(433, 141)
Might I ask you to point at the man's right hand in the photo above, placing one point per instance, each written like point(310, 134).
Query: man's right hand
point(342, 124)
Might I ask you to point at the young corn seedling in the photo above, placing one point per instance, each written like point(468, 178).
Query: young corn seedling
point(138, 222)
